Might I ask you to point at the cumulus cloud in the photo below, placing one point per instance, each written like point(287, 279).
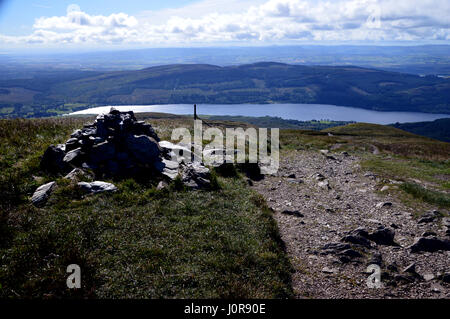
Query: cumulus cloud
point(251, 21)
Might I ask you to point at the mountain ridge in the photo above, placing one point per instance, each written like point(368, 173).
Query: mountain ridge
point(261, 82)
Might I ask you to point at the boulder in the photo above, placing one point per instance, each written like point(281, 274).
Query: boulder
point(53, 162)
point(358, 236)
point(102, 152)
point(430, 244)
point(383, 236)
point(72, 144)
point(42, 194)
point(74, 157)
point(97, 187)
point(143, 148)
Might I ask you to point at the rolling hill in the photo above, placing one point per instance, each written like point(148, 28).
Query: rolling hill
point(265, 82)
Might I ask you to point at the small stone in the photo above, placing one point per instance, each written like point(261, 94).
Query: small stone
point(428, 277)
point(76, 174)
point(384, 204)
point(97, 187)
point(324, 184)
point(295, 213)
point(384, 188)
point(161, 185)
point(328, 270)
point(42, 194)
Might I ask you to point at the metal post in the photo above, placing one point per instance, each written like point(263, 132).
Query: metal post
point(195, 111)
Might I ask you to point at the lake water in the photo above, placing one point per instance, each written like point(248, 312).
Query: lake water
point(301, 112)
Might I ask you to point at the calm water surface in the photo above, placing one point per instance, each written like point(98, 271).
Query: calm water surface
point(301, 112)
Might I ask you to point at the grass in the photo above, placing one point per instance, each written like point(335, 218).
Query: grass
point(139, 242)
point(404, 156)
point(433, 197)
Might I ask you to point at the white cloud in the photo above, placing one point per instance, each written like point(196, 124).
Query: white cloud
point(251, 21)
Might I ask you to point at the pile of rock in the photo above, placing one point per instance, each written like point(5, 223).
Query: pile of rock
point(117, 145)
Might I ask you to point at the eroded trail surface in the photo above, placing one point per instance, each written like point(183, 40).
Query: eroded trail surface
point(335, 222)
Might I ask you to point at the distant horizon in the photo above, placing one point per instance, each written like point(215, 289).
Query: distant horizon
point(47, 51)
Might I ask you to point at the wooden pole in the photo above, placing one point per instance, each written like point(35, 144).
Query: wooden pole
point(195, 111)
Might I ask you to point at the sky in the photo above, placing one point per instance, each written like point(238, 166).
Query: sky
point(177, 23)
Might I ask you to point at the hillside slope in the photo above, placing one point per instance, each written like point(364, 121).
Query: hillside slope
point(264, 82)
point(438, 129)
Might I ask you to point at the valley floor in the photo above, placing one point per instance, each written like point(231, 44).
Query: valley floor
point(313, 211)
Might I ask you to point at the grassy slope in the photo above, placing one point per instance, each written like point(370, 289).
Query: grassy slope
point(138, 242)
point(423, 164)
point(438, 129)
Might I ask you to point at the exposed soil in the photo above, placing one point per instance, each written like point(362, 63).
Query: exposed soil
point(315, 210)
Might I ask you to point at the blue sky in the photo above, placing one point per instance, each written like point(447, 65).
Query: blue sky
point(17, 16)
point(138, 23)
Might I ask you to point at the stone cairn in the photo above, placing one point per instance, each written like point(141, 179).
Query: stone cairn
point(117, 145)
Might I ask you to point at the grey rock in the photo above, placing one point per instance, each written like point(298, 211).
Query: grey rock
point(196, 176)
point(324, 184)
point(328, 270)
point(167, 168)
point(144, 148)
point(384, 204)
point(177, 152)
point(97, 187)
point(161, 185)
point(42, 194)
point(71, 144)
point(428, 277)
point(428, 234)
point(358, 236)
point(430, 216)
point(52, 161)
point(73, 157)
point(383, 236)
point(430, 244)
point(102, 152)
point(76, 174)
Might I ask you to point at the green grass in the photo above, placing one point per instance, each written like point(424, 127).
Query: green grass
point(426, 195)
point(401, 168)
point(136, 243)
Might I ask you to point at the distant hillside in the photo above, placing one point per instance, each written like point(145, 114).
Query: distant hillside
point(438, 129)
point(265, 82)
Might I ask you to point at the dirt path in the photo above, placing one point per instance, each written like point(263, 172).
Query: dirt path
point(318, 198)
